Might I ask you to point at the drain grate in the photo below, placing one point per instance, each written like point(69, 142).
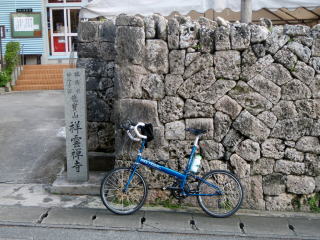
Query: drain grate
point(143, 219)
point(241, 225)
point(43, 216)
point(193, 225)
point(291, 227)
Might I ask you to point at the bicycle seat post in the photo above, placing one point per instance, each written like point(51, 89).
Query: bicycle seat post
point(196, 141)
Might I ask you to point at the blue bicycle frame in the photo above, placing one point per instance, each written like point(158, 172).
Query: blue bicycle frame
point(181, 176)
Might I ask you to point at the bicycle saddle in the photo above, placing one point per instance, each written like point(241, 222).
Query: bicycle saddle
point(195, 131)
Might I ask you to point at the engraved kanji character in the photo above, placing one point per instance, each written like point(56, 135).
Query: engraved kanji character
point(76, 153)
point(77, 82)
point(74, 98)
point(69, 82)
point(75, 127)
point(75, 115)
point(74, 107)
point(76, 141)
point(77, 165)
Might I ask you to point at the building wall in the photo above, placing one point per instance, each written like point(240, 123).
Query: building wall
point(33, 46)
point(47, 59)
point(30, 45)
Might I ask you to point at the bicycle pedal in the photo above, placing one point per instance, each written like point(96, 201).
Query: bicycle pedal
point(194, 192)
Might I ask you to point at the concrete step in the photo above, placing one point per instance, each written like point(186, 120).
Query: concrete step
point(43, 71)
point(25, 76)
point(46, 66)
point(41, 77)
point(39, 81)
point(38, 87)
point(92, 187)
point(99, 164)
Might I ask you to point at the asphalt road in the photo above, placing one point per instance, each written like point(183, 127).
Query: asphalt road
point(30, 150)
point(36, 233)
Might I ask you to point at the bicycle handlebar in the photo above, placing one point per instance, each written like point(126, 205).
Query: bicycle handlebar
point(132, 137)
point(140, 124)
point(131, 127)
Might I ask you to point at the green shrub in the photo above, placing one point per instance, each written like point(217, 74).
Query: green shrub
point(167, 203)
point(4, 78)
point(11, 56)
point(314, 203)
point(296, 202)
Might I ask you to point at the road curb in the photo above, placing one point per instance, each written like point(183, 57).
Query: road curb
point(197, 233)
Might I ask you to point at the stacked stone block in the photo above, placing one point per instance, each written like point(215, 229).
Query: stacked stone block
point(256, 91)
point(96, 53)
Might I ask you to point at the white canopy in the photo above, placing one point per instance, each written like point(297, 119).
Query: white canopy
point(107, 8)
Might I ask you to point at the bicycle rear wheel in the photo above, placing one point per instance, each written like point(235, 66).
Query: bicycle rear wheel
point(113, 195)
point(228, 201)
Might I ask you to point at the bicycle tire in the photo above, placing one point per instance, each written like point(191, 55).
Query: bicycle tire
point(113, 197)
point(225, 205)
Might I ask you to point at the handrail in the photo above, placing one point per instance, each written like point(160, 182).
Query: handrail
point(1, 54)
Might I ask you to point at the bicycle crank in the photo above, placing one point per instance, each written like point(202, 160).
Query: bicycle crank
point(176, 190)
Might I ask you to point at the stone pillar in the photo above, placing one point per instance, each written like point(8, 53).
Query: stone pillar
point(76, 125)
point(246, 11)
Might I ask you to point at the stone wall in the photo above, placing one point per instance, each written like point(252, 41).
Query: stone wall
point(255, 89)
point(96, 54)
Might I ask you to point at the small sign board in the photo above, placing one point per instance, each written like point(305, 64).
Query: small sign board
point(26, 25)
point(76, 124)
point(24, 10)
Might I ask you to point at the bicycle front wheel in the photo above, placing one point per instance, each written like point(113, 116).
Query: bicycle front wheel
point(116, 199)
point(227, 200)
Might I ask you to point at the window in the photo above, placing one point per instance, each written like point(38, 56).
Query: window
point(63, 32)
point(64, 1)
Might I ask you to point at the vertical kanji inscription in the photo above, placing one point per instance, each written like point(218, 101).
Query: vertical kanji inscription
point(76, 124)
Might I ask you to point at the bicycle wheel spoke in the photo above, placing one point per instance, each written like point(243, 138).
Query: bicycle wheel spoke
point(119, 201)
point(135, 197)
point(111, 195)
point(122, 201)
point(121, 179)
point(230, 194)
point(111, 189)
point(112, 183)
